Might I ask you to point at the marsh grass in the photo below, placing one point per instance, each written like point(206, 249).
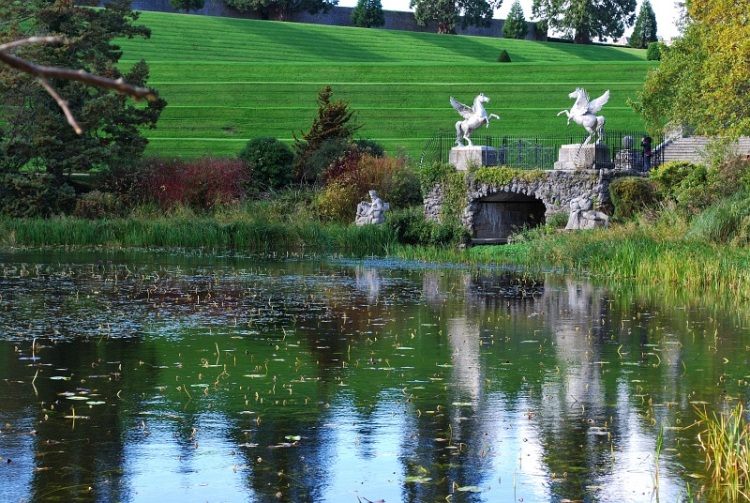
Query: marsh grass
point(648, 253)
point(240, 234)
point(725, 441)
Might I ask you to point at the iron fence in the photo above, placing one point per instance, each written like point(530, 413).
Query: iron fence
point(541, 152)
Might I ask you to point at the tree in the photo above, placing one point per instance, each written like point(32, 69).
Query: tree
point(644, 31)
point(583, 19)
point(703, 80)
point(334, 124)
point(186, 5)
point(448, 13)
point(281, 9)
point(368, 13)
point(107, 126)
point(515, 25)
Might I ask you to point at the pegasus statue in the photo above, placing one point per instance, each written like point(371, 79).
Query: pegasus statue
point(474, 116)
point(584, 113)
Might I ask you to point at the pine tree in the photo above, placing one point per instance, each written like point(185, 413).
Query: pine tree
point(334, 124)
point(644, 31)
point(515, 25)
point(187, 5)
point(368, 13)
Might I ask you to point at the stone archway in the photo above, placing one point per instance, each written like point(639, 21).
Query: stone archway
point(498, 216)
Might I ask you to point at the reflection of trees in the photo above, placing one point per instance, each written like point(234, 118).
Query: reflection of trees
point(455, 369)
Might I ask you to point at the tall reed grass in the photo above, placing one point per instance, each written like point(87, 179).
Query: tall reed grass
point(725, 441)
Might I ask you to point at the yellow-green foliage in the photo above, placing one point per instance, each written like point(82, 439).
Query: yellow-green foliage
point(631, 195)
point(350, 180)
point(503, 176)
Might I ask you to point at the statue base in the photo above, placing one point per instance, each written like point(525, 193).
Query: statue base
point(579, 156)
point(463, 158)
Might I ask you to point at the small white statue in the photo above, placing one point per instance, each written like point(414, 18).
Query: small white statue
point(372, 212)
point(584, 113)
point(583, 217)
point(474, 116)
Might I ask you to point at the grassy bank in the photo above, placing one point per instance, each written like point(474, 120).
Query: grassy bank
point(655, 255)
point(243, 235)
point(254, 78)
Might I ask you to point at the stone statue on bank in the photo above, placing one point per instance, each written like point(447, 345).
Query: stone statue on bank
point(583, 217)
point(475, 116)
point(584, 112)
point(371, 212)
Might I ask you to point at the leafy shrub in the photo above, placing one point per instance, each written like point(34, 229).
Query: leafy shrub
point(669, 177)
point(503, 57)
point(34, 195)
point(322, 158)
point(558, 220)
point(432, 174)
point(352, 176)
point(371, 147)
point(199, 185)
point(338, 201)
point(269, 161)
point(631, 195)
point(654, 51)
point(97, 204)
point(412, 228)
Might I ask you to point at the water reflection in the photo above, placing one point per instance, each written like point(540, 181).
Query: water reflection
point(141, 377)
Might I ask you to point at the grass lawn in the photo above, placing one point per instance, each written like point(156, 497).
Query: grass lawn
point(229, 80)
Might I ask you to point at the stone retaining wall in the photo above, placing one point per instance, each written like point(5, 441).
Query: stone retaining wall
point(338, 16)
point(555, 190)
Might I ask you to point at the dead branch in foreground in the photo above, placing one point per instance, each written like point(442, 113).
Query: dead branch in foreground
point(44, 73)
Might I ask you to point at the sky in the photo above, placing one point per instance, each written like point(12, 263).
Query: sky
point(666, 13)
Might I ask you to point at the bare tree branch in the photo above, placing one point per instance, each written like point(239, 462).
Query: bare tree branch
point(44, 73)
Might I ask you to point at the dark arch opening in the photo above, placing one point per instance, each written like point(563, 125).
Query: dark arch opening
point(498, 216)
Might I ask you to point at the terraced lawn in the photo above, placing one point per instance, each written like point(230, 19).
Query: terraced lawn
point(229, 80)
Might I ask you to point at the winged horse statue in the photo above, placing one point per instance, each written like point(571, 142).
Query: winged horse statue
point(584, 113)
point(474, 116)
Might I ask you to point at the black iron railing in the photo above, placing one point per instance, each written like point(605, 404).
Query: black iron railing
point(541, 152)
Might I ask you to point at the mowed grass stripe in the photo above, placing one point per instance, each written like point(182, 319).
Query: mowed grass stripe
point(268, 41)
point(228, 80)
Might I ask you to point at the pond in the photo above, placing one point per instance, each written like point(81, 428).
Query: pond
point(152, 377)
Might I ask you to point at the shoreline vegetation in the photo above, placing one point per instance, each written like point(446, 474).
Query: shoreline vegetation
point(650, 254)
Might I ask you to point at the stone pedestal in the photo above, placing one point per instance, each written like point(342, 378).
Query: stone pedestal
point(476, 156)
point(577, 156)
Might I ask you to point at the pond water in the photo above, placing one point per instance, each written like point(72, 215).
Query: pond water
point(153, 377)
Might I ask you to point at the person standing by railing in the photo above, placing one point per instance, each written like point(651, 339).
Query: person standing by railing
point(646, 147)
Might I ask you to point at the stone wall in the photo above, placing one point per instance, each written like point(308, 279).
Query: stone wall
point(555, 190)
point(338, 16)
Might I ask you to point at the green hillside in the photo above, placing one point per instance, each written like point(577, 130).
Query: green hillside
point(229, 80)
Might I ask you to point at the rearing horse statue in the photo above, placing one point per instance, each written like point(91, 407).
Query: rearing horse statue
point(584, 113)
point(474, 117)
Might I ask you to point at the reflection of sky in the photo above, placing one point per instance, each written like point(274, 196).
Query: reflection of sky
point(163, 464)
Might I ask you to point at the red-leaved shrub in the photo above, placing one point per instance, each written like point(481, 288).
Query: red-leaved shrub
point(200, 184)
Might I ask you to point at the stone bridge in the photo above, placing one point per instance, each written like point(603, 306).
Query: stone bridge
point(491, 213)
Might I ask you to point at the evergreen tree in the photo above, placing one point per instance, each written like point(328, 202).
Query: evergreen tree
point(281, 9)
point(515, 25)
point(187, 5)
point(644, 31)
point(583, 20)
point(35, 130)
point(448, 13)
point(368, 13)
point(334, 125)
